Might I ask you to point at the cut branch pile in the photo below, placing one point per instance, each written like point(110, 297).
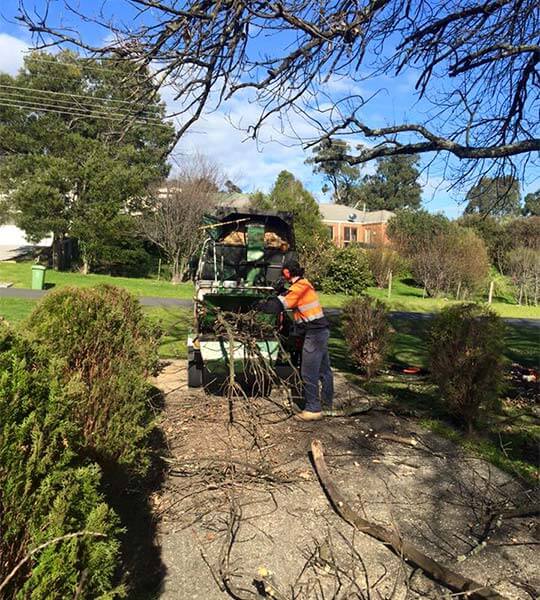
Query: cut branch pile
point(223, 471)
point(247, 329)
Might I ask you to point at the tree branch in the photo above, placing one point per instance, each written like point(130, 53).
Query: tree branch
point(401, 547)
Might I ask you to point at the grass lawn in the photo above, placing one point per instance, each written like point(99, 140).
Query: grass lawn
point(405, 297)
point(408, 298)
point(15, 309)
point(175, 323)
point(20, 274)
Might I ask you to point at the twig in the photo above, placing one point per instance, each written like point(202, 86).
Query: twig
point(390, 437)
point(23, 561)
point(494, 522)
point(233, 526)
point(440, 573)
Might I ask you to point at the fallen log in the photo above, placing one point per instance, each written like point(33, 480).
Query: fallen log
point(441, 574)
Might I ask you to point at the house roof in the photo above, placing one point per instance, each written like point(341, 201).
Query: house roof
point(233, 199)
point(346, 214)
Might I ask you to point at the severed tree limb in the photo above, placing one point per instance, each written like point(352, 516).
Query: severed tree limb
point(436, 571)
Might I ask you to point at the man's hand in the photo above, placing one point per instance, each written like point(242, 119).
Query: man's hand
point(280, 286)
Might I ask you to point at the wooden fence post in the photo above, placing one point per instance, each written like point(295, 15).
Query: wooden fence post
point(491, 286)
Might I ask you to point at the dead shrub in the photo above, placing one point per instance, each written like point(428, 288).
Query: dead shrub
point(466, 360)
point(367, 332)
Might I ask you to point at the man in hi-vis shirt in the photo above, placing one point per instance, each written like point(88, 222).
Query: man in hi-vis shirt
point(310, 321)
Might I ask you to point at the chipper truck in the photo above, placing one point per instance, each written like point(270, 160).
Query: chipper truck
point(239, 265)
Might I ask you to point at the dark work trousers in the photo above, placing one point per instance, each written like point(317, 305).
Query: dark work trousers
point(315, 367)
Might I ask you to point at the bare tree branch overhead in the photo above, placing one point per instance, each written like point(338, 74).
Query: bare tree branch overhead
point(474, 64)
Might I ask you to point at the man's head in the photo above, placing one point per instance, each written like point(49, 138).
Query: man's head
point(292, 269)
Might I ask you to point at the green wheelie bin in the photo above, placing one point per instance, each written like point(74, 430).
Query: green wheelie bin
point(38, 277)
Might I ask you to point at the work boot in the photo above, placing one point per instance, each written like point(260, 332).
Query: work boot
point(307, 415)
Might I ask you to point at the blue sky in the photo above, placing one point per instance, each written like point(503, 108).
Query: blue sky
point(255, 165)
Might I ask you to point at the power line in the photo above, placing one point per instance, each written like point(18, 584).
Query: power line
point(64, 104)
point(82, 111)
point(65, 112)
point(68, 94)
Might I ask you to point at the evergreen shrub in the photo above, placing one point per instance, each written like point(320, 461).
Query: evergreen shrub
point(101, 349)
point(46, 490)
point(367, 332)
point(347, 272)
point(466, 344)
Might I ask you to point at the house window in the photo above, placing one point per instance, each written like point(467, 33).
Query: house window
point(367, 236)
point(349, 235)
point(330, 231)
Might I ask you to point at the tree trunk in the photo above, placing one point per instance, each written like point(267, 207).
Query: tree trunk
point(182, 266)
point(175, 278)
point(58, 251)
point(85, 269)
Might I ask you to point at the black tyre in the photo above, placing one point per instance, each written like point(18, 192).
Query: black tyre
point(195, 376)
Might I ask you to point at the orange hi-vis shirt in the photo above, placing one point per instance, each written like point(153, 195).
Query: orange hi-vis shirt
point(303, 300)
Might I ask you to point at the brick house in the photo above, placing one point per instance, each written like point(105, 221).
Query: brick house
point(344, 223)
point(347, 224)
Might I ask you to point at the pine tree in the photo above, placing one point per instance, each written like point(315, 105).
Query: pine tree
point(77, 149)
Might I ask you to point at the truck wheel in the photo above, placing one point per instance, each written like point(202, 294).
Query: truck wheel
point(194, 375)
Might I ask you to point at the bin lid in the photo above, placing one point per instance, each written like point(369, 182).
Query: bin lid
point(38, 268)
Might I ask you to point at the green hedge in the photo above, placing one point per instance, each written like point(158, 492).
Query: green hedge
point(348, 272)
point(466, 359)
point(103, 349)
point(45, 490)
point(73, 407)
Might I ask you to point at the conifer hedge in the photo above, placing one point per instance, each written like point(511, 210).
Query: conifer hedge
point(102, 349)
point(73, 402)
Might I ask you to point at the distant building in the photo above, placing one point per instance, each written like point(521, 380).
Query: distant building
point(346, 224)
point(237, 200)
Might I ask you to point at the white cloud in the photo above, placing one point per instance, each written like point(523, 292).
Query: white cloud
point(11, 53)
point(255, 164)
point(251, 164)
